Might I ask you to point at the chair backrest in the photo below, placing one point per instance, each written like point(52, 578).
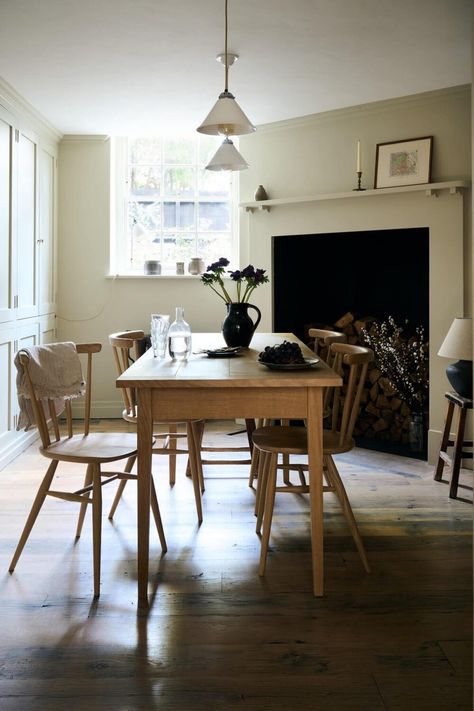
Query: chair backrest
point(45, 411)
point(351, 363)
point(323, 339)
point(126, 349)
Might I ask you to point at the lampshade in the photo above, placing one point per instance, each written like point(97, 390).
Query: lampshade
point(227, 157)
point(226, 118)
point(458, 341)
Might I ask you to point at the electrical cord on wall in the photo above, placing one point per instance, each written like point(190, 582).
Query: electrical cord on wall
point(91, 318)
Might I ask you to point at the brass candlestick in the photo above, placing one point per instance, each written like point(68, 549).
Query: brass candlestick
point(359, 178)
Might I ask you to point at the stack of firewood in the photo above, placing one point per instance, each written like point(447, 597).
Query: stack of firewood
point(383, 414)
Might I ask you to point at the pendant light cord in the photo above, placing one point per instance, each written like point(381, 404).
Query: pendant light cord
point(225, 50)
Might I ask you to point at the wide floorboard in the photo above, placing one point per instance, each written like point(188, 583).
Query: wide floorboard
point(217, 637)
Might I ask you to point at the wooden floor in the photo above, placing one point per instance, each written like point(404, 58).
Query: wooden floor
point(217, 637)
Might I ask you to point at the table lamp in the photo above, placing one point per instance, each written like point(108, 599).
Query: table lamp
point(458, 344)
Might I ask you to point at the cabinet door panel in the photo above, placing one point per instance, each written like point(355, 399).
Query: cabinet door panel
point(7, 387)
point(26, 228)
point(46, 251)
point(6, 147)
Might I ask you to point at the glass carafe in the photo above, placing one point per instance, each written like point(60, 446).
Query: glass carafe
point(179, 337)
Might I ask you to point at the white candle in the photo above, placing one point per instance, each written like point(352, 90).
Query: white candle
point(358, 157)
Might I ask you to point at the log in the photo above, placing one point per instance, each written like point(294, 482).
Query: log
point(387, 387)
point(395, 403)
point(374, 392)
point(345, 320)
point(374, 375)
point(380, 425)
point(362, 323)
point(382, 401)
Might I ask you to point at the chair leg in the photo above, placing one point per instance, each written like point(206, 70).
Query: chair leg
point(157, 516)
point(254, 466)
point(194, 457)
point(335, 480)
point(35, 509)
point(285, 459)
point(123, 482)
point(457, 454)
point(83, 509)
point(263, 472)
point(96, 524)
point(438, 475)
point(172, 429)
point(269, 504)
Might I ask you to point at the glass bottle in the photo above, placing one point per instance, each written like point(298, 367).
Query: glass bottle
point(179, 337)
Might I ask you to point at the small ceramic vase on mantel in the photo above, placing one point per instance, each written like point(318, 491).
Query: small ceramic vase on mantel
point(261, 193)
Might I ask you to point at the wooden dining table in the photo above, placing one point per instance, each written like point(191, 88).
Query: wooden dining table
point(205, 388)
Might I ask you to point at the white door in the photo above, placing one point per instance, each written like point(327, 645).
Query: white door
point(46, 240)
point(8, 405)
point(6, 212)
point(26, 286)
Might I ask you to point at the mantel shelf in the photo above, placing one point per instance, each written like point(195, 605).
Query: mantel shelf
point(430, 189)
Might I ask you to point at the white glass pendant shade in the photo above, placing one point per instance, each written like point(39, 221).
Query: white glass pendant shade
point(227, 157)
point(226, 118)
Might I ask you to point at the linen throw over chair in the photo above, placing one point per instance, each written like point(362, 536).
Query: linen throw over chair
point(272, 441)
point(322, 340)
point(126, 349)
point(48, 377)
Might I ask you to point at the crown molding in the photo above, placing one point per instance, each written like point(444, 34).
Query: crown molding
point(76, 138)
point(22, 109)
point(373, 107)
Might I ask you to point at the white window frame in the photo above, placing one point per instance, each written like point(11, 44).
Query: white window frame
point(119, 198)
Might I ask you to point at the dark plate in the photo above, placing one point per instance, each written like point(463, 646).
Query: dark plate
point(223, 352)
point(308, 363)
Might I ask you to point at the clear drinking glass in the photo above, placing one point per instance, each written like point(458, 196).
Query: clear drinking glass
point(160, 324)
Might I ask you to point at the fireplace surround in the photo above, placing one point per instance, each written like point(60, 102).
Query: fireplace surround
point(437, 208)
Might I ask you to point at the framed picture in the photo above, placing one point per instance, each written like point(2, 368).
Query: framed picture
point(403, 162)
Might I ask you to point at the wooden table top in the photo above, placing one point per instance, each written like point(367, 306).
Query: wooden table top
point(237, 371)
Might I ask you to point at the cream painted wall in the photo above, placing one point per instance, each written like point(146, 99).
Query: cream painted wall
point(300, 157)
point(91, 305)
point(318, 154)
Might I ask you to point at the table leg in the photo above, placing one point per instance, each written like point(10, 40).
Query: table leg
point(144, 445)
point(315, 476)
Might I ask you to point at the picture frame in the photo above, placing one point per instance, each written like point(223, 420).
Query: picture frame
point(407, 162)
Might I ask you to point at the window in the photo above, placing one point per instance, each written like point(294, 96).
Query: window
point(167, 206)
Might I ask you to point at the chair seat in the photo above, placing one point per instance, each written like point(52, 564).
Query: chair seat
point(100, 446)
point(293, 440)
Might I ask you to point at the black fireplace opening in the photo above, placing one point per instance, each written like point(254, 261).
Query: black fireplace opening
point(318, 279)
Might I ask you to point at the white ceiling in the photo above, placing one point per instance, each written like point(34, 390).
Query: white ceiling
point(147, 66)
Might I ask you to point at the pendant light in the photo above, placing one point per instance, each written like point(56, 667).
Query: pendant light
point(226, 118)
point(227, 157)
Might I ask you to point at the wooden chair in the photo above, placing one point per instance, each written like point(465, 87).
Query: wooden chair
point(272, 441)
point(126, 349)
point(322, 341)
point(91, 449)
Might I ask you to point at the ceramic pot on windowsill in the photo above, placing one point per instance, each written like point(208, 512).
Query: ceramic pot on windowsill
point(196, 266)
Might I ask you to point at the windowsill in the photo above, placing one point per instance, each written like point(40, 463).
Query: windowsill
point(152, 276)
point(159, 276)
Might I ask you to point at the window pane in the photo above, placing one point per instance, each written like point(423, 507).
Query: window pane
point(145, 150)
point(211, 247)
point(144, 216)
point(145, 181)
point(179, 181)
point(216, 183)
point(214, 216)
point(179, 247)
point(178, 150)
point(208, 145)
point(179, 216)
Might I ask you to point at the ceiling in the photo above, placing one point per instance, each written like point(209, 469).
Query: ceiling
point(148, 66)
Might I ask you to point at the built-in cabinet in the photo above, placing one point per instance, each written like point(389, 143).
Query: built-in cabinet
point(28, 166)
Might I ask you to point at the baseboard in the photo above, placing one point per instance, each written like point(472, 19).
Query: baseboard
point(101, 409)
point(19, 442)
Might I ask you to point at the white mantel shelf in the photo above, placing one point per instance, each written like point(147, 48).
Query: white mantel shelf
point(430, 189)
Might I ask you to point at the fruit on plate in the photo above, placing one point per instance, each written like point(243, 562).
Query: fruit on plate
point(284, 354)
